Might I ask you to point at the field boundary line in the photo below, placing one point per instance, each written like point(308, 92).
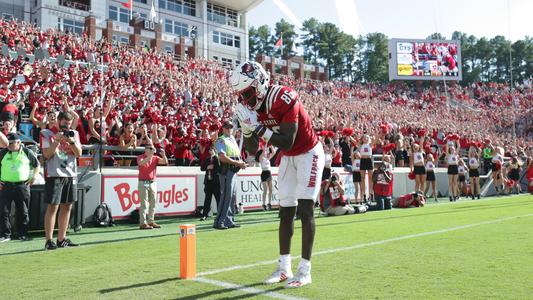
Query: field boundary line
point(357, 246)
point(245, 289)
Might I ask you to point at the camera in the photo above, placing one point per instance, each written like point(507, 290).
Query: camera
point(68, 133)
point(333, 178)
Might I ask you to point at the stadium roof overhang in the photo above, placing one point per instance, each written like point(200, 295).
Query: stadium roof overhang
point(238, 5)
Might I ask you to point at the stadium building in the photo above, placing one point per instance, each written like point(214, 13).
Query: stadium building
point(194, 28)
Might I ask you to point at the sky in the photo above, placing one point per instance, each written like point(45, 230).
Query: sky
point(407, 18)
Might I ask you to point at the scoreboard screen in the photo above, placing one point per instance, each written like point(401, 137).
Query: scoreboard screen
point(424, 60)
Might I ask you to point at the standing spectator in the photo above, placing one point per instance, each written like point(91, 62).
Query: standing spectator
point(497, 170)
point(18, 168)
point(430, 177)
point(266, 175)
point(513, 174)
point(529, 175)
point(8, 123)
point(211, 166)
point(231, 163)
point(488, 153)
point(462, 178)
point(127, 140)
point(147, 186)
point(60, 151)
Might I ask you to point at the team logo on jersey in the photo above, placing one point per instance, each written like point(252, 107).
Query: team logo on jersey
point(249, 70)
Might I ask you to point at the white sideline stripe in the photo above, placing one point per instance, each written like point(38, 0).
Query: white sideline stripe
point(404, 237)
point(249, 290)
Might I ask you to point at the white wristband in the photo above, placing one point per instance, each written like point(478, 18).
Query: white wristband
point(268, 134)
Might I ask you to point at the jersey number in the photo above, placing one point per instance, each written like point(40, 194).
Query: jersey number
point(288, 96)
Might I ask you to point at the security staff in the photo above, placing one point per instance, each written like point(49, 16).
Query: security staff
point(18, 168)
point(488, 153)
point(231, 163)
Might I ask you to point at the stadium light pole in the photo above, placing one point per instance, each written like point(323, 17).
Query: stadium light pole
point(511, 90)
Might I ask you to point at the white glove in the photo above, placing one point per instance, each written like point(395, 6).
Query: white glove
point(247, 119)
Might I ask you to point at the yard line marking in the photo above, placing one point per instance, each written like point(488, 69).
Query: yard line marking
point(248, 290)
point(399, 238)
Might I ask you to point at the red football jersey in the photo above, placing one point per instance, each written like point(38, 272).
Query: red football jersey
point(283, 106)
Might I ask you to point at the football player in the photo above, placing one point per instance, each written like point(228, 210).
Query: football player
point(276, 114)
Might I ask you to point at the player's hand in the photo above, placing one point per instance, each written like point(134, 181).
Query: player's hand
point(247, 119)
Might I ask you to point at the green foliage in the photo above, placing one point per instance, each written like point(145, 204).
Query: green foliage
point(365, 58)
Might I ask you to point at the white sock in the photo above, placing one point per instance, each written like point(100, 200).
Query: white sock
point(305, 265)
point(285, 262)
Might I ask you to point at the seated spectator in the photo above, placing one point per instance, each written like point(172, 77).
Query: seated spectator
point(410, 200)
point(332, 197)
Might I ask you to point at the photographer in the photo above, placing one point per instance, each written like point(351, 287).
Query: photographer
point(332, 197)
point(382, 179)
point(410, 200)
point(60, 147)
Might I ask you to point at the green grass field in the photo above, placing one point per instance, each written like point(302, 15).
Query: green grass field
point(466, 250)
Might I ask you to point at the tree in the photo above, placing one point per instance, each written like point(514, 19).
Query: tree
point(285, 30)
point(262, 38)
point(375, 54)
point(253, 42)
point(310, 39)
point(436, 36)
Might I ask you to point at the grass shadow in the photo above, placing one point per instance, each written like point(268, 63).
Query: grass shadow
point(138, 285)
point(228, 290)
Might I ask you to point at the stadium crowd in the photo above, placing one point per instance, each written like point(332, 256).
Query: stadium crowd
point(181, 105)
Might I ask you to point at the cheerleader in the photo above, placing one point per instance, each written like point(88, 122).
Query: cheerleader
point(497, 170)
point(462, 178)
point(399, 157)
point(473, 172)
point(266, 176)
point(356, 175)
point(430, 177)
point(367, 164)
point(418, 167)
point(452, 160)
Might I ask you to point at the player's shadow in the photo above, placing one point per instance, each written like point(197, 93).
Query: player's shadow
point(219, 293)
point(137, 285)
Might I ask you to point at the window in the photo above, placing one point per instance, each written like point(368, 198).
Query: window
point(141, 1)
point(226, 39)
point(70, 26)
point(177, 28)
point(168, 49)
point(7, 17)
point(237, 62)
point(121, 39)
point(227, 61)
point(215, 58)
point(120, 14)
point(221, 15)
point(186, 7)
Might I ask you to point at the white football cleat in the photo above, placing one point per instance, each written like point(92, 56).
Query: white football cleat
point(301, 279)
point(278, 276)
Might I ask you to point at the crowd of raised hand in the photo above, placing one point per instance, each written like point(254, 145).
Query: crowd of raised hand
point(191, 98)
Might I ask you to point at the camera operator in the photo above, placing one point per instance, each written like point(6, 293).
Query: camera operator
point(60, 147)
point(332, 197)
point(415, 199)
point(382, 179)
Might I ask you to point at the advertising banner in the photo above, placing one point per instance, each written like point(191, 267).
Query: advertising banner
point(176, 195)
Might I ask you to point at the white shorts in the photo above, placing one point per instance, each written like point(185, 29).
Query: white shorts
point(299, 176)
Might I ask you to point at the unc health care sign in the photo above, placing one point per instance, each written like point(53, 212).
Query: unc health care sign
point(176, 195)
point(249, 190)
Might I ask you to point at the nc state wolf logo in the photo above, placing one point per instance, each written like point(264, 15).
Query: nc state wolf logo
point(249, 70)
